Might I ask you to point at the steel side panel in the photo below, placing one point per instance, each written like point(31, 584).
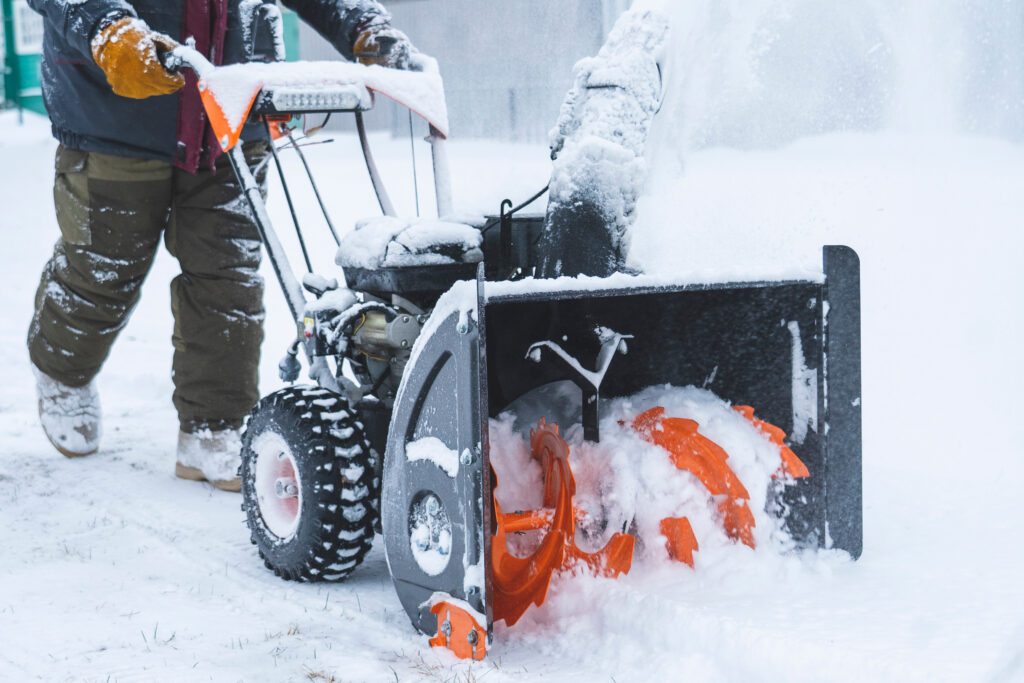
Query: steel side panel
point(438, 398)
point(488, 523)
point(843, 487)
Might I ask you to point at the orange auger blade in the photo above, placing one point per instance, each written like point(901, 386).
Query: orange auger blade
point(615, 558)
point(792, 465)
point(458, 631)
point(692, 451)
point(518, 582)
point(681, 541)
point(551, 450)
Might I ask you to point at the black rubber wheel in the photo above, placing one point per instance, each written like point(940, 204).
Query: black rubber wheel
point(310, 484)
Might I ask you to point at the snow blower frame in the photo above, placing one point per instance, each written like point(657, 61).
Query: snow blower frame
point(424, 355)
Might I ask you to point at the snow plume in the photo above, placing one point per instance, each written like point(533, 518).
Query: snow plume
point(761, 73)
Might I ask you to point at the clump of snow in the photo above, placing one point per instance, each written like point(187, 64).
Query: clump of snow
point(320, 282)
point(338, 299)
point(390, 241)
point(188, 55)
point(439, 597)
point(432, 449)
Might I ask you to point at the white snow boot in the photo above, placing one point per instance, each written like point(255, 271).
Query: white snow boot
point(213, 456)
point(71, 416)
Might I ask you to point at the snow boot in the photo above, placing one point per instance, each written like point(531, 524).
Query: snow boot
point(212, 456)
point(71, 416)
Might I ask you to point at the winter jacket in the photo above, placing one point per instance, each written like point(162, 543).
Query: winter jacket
point(87, 115)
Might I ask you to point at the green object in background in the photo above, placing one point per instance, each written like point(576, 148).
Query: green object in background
point(291, 34)
point(22, 49)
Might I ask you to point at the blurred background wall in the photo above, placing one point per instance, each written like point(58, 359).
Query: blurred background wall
point(507, 64)
point(742, 73)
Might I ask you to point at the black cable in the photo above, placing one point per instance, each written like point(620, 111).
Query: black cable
point(316, 190)
point(531, 200)
point(516, 209)
point(379, 382)
point(288, 196)
point(415, 178)
point(316, 129)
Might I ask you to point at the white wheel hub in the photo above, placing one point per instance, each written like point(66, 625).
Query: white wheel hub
point(277, 484)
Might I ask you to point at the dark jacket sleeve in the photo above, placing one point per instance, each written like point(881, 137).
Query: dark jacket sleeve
point(340, 21)
point(77, 21)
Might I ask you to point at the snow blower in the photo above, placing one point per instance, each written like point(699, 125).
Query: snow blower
point(441, 326)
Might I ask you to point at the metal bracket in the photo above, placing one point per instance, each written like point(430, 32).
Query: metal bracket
point(589, 381)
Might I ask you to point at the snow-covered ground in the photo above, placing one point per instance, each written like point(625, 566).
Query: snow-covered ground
point(112, 569)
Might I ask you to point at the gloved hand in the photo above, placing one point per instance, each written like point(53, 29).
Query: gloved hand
point(126, 50)
point(385, 46)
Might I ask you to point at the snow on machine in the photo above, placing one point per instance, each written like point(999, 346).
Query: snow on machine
point(441, 326)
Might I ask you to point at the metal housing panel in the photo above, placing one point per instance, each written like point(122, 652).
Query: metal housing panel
point(760, 344)
point(843, 474)
point(438, 398)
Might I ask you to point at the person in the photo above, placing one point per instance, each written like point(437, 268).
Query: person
point(137, 163)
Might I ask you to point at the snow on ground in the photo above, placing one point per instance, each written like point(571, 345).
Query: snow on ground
point(114, 570)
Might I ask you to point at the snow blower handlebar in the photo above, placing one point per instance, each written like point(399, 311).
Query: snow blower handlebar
point(274, 94)
point(279, 91)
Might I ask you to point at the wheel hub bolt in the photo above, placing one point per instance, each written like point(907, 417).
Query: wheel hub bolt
point(286, 488)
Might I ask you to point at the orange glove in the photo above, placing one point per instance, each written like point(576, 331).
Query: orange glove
point(127, 52)
point(384, 46)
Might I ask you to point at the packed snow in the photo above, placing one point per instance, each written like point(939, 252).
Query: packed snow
point(432, 449)
point(235, 86)
point(398, 242)
point(115, 570)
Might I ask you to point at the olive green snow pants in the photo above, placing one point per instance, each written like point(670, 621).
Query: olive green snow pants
point(112, 213)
